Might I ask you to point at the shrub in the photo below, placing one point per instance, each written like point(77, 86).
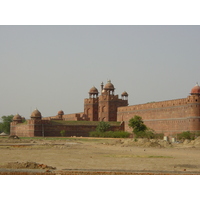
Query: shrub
point(110, 134)
point(148, 133)
point(62, 133)
point(187, 135)
point(102, 126)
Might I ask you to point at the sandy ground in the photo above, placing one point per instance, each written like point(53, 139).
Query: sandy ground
point(114, 156)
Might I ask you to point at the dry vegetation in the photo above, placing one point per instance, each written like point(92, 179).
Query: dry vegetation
point(98, 156)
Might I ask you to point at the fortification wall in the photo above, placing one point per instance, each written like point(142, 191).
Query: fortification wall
point(47, 128)
point(168, 117)
point(75, 129)
point(73, 117)
point(22, 129)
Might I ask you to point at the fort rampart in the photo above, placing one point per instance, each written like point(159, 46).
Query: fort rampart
point(45, 128)
point(168, 117)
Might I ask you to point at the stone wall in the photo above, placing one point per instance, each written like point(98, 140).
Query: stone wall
point(73, 117)
point(25, 129)
point(168, 117)
point(48, 128)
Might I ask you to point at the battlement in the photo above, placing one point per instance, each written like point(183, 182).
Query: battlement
point(91, 100)
point(161, 104)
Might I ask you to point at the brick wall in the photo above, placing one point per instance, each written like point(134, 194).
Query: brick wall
point(73, 117)
point(169, 117)
point(53, 128)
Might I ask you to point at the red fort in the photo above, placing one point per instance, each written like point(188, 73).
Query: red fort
point(168, 117)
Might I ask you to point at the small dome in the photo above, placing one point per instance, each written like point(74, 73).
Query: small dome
point(36, 114)
point(195, 90)
point(93, 90)
point(109, 86)
point(125, 94)
point(17, 117)
point(60, 112)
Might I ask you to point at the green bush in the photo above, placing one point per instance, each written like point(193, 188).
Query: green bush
point(103, 126)
point(110, 134)
point(187, 135)
point(62, 133)
point(148, 133)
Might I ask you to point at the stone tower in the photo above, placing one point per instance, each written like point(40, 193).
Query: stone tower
point(103, 107)
point(91, 105)
point(109, 102)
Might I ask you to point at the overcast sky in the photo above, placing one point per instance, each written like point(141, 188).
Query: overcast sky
point(53, 67)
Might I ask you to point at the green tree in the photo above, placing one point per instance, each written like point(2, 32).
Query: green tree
point(5, 124)
point(103, 126)
point(137, 124)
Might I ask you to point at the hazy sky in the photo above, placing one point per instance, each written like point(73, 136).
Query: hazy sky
point(53, 67)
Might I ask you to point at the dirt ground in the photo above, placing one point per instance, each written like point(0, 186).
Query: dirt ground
point(98, 156)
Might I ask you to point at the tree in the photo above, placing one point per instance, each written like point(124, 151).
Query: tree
point(5, 124)
point(140, 129)
point(103, 126)
point(137, 124)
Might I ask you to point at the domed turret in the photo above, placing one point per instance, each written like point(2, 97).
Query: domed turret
point(109, 88)
point(36, 114)
point(124, 95)
point(60, 112)
point(17, 118)
point(195, 90)
point(93, 92)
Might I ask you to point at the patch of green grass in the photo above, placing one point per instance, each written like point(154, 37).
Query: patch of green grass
point(160, 157)
point(137, 156)
point(94, 123)
point(110, 134)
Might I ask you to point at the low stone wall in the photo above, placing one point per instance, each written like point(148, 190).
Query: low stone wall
point(47, 128)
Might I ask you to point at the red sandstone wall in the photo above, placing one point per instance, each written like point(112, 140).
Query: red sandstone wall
point(73, 117)
point(22, 129)
point(91, 108)
point(108, 105)
point(74, 130)
point(169, 117)
point(48, 128)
